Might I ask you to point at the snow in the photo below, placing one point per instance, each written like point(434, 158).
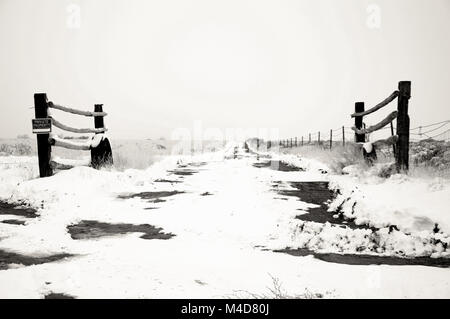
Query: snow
point(223, 241)
point(368, 147)
point(412, 204)
point(96, 140)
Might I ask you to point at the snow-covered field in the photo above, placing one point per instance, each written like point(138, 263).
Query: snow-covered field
point(227, 221)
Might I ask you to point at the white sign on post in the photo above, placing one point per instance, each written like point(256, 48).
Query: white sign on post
point(42, 126)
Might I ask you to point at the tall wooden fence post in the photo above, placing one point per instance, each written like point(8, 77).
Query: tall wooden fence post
point(296, 141)
point(318, 138)
point(404, 89)
point(343, 136)
point(359, 107)
point(331, 139)
point(43, 146)
point(309, 138)
point(302, 140)
point(102, 154)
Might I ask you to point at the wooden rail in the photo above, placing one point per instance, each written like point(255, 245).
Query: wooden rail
point(56, 141)
point(388, 100)
point(377, 126)
point(74, 111)
point(78, 130)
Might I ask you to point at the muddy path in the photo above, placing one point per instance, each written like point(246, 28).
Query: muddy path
point(202, 229)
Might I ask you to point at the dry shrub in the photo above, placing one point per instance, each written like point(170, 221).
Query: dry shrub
point(17, 149)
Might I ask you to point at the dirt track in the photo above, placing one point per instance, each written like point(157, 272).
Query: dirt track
point(209, 222)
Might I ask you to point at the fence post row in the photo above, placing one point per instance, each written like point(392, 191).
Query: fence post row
point(404, 88)
point(399, 142)
point(43, 146)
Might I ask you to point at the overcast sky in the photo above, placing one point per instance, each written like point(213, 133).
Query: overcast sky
point(296, 65)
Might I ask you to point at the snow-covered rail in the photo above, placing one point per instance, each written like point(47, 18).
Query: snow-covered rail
point(100, 147)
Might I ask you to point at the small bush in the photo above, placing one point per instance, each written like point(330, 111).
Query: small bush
point(336, 159)
point(125, 160)
point(19, 149)
point(431, 153)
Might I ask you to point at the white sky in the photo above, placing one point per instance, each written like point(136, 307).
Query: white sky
point(160, 65)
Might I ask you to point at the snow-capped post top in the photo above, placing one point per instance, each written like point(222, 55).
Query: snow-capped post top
point(368, 147)
point(101, 152)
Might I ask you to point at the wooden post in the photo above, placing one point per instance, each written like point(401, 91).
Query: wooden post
point(99, 120)
point(359, 107)
point(343, 136)
point(296, 141)
point(43, 146)
point(291, 142)
point(302, 140)
point(257, 144)
point(393, 145)
point(309, 138)
point(102, 154)
point(404, 89)
point(331, 139)
point(318, 138)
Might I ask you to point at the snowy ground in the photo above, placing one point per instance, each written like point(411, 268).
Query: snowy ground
point(227, 221)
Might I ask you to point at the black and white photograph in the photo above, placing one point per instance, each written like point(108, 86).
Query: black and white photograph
point(240, 150)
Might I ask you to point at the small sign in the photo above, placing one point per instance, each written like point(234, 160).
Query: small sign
point(42, 126)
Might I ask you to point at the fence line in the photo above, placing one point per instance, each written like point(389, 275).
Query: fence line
point(100, 147)
point(399, 141)
point(348, 129)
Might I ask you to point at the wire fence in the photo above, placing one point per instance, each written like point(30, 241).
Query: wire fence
point(438, 131)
